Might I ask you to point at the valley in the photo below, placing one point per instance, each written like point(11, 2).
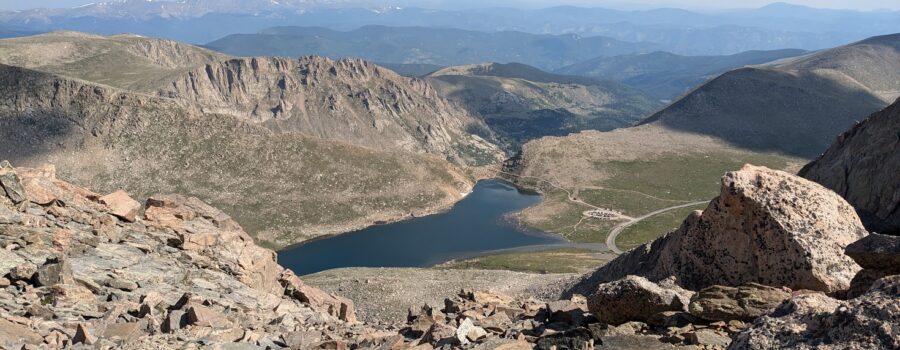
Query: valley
point(448, 175)
point(312, 180)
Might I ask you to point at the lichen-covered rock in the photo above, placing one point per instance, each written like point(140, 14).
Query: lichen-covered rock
point(635, 298)
point(816, 321)
point(862, 166)
point(744, 303)
point(766, 227)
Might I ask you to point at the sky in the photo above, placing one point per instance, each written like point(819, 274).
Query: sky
point(689, 4)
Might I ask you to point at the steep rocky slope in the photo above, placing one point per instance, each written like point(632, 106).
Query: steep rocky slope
point(521, 103)
point(327, 146)
point(109, 138)
point(870, 150)
point(665, 75)
point(83, 269)
point(796, 106)
point(349, 100)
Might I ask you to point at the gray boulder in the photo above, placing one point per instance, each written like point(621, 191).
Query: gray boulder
point(635, 298)
point(744, 303)
point(816, 321)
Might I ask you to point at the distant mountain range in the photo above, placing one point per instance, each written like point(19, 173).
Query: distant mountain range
point(665, 75)
point(436, 46)
point(795, 106)
point(684, 32)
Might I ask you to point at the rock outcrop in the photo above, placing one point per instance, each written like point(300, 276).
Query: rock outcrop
point(816, 321)
point(348, 100)
point(743, 303)
point(879, 256)
point(862, 166)
point(636, 299)
point(77, 271)
point(766, 227)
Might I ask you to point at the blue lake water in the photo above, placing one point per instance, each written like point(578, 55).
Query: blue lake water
point(476, 225)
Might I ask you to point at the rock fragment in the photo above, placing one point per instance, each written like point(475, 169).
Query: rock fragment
point(121, 205)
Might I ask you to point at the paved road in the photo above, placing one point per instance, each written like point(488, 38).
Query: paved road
point(611, 238)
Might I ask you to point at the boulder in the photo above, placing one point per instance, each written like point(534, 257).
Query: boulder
point(710, 338)
point(462, 332)
point(744, 303)
point(864, 280)
point(766, 227)
point(203, 316)
point(876, 251)
point(440, 334)
point(175, 320)
point(807, 321)
point(12, 185)
point(54, 271)
point(83, 335)
point(9, 261)
point(13, 335)
point(71, 295)
point(121, 205)
point(40, 190)
point(635, 298)
point(334, 305)
point(124, 331)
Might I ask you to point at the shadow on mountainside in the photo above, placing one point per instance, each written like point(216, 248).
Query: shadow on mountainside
point(770, 111)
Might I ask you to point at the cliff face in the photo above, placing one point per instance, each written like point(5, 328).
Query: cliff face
point(109, 138)
point(349, 100)
point(87, 269)
point(862, 166)
point(325, 146)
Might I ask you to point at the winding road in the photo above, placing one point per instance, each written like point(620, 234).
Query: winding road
point(611, 238)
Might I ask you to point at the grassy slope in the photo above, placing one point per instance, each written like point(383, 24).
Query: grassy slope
point(550, 261)
point(635, 171)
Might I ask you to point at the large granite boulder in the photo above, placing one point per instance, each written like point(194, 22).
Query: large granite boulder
point(816, 321)
point(862, 166)
point(766, 227)
point(635, 298)
point(743, 303)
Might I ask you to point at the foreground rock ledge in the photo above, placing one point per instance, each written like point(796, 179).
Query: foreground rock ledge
point(766, 227)
point(80, 268)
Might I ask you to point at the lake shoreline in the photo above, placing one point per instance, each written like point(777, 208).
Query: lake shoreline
point(482, 223)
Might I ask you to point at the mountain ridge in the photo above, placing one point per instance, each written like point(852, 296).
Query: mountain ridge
point(146, 142)
point(794, 106)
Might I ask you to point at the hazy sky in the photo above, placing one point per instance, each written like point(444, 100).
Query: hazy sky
point(693, 4)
